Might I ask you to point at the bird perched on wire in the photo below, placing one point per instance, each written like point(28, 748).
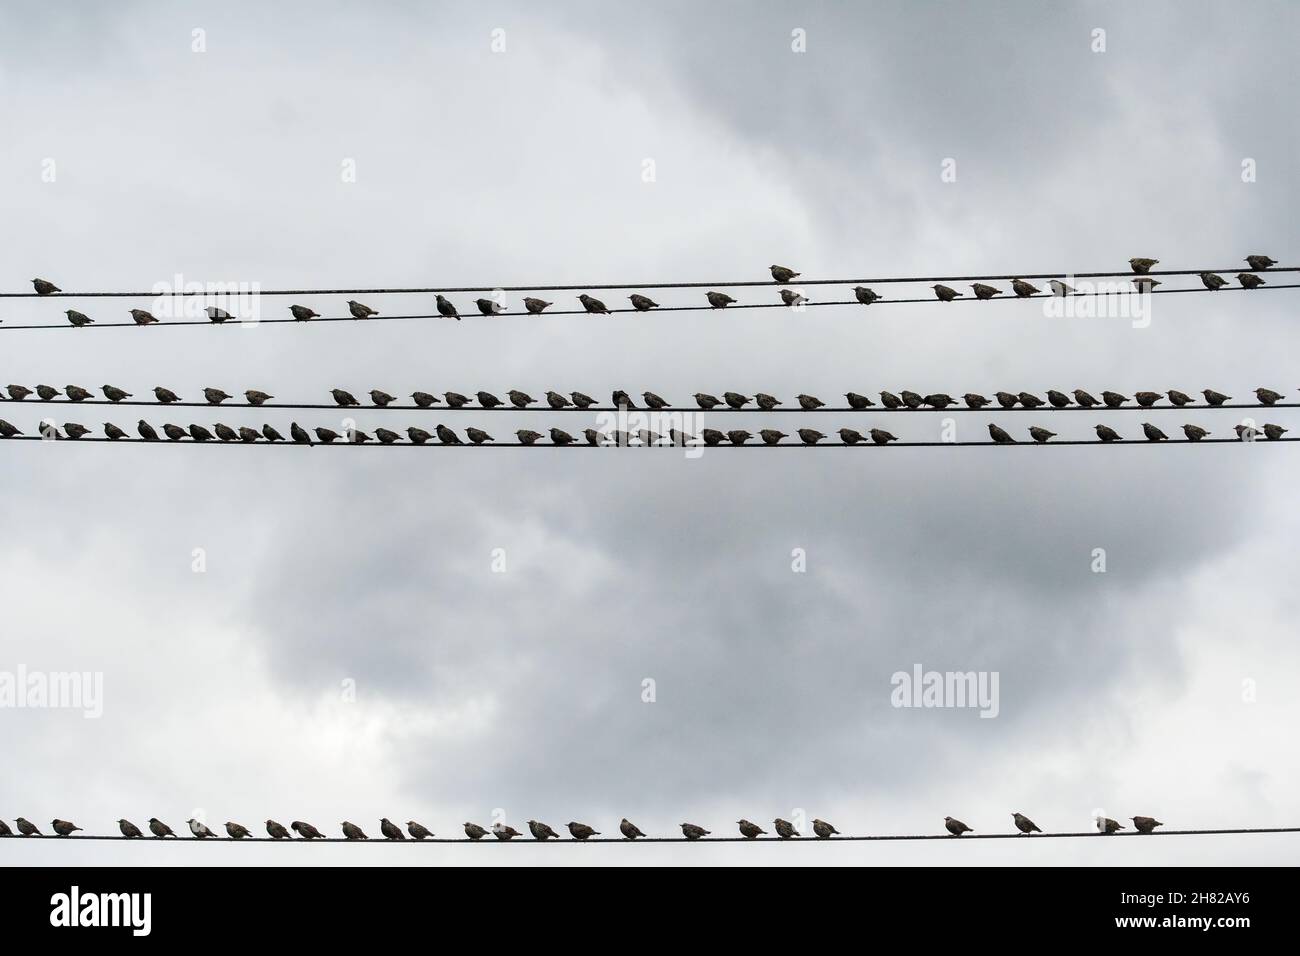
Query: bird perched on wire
point(945, 294)
point(199, 830)
point(654, 401)
point(823, 829)
point(1146, 283)
point(7, 430)
point(1274, 432)
point(174, 432)
point(447, 436)
point(712, 436)
point(1153, 433)
point(1024, 824)
point(1258, 263)
point(47, 393)
point(1000, 435)
point(199, 433)
point(76, 393)
point(1030, 400)
point(474, 831)
point(956, 827)
point(326, 436)
point(477, 435)
point(560, 437)
point(693, 832)
point(1084, 399)
point(520, 399)
point(557, 401)
point(419, 831)
point(1145, 824)
point(64, 827)
point(736, 400)
point(766, 402)
point(1142, 265)
point(621, 399)
point(1106, 433)
point(302, 313)
point(851, 436)
point(18, 392)
point(1213, 282)
point(982, 291)
point(1058, 399)
point(141, 317)
point(1194, 432)
point(236, 831)
point(277, 831)
point(1247, 280)
point(489, 306)
point(488, 400)
point(541, 831)
point(503, 832)
point(810, 436)
point(418, 436)
point(864, 295)
point(536, 306)
point(445, 308)
point(785, 829)
point(129, 830)
point(225, 432)
point(738, 436)
point(642, 303)
point(939, 400)
point(381, 398)
point(1147, 399)
point(890, 400)
point(1007, 399)
point(1060, 288)
point(809, 402)
point(592, 436)
point(299, 434)
point(706, 401)
point(782, 275)
point(217, 316)
point(1267, 396)
point(527, 436)
point(80, 318)
point(719, 300)
point(26, 827)
point(75, 430)
point(1179, 398)
point(629, 829)
point(580, 831)
point(857, 401)
point(165, 395)
point(353, 832)
point(1113, 399)
point(792, 298)
point(159, 829)
point(360, 311)
point(974, 400)
point(1041, 435)
point(1215, 398)
point(256, 397)
point(385, 436)
point(882, 437)
point(45, 287)
point(593, 305)
point(306, 830)
point(771, 436)
point(750, 831)
point(1107, 825)
point(216, 396)
point(1024, 289)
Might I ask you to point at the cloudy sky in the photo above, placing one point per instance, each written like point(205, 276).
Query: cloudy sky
point(225, 692)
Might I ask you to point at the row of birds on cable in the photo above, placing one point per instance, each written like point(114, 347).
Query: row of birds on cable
point(717, 300)
point(785, 830)
point(614, 437)
point(706, 401)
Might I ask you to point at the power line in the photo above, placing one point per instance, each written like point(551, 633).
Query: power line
point(344, 443)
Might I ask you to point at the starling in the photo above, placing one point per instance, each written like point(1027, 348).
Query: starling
point(165, 395)
point(75, 430)
point(159, 829)
point(353, 832)
point(216, 315)
point(560, 437)
point(1024, 824)
point(1106, 433)
point(419, 831)
point(719, 300)
point(1179, 398)
point(249, 435)
point(1041, 435)
point(360, 311)
point(692, 832)
point(771, 436)
point(527, 436)
point(620, 438)
point(1007, 399)
point(27, 828)
point(341, 397)
point(488, 400)
point(1146, 283)
point(864, 295)
point(236, 831)
point(1084, 399)
point(557, 401)
point(749, 831)
point(1247, 280)
point(680, 438)
point(939, 400)
point(45, 287)
point(46, 392)
point(790, 297)
point(535, 306)
point(299, 434)
point(857, 401)
point(706, 401)
point(712, 436)
point(269, 433)
point(1029, 400)
point(142, 317)
point(385, 436)
point(738, 436)
point(489, 306)
point(18, 392)
point(357, 437)
point(823, 829)
point(1213, 282)
point(956, 827)
point(945, 294)
point(642, 303)
point(1107, 825)
point(766, 402)
point(174, 432)
point(782, 274)
point(1147, 399)
point(76, 393)
point(1274, 432)
point(474, 831)
point(216, 396)
point(418, 436)
point(784, 829)
point(541, 831)
point(1060, 288)
point(1215, 398)
point(113, 432)
point(129, 829)
point(64, 827)
point(581, 400)
point(1153, 433)
point(1267, 396)
point(225, 432)
point(1145, 824)
point(621, 399)
point(114, 394)
point(647, 437)
point(455, 399)
point(982, 291)
point(654, 401)
point(503, 832)
point(1113, 399)
point(581, 831)
point(851, 436)
point(736, 400)
point(809, 402)
point(1246, 432)
point(882, 437)
point(381, 398)
point(974, 400)
point(1058, 399)
point(80, 318)
point(277, 831)
point(306, 830)
point(629, 829)
point(592, 436)
point(199, 830)
point(446, 309)
point(890, 400)
point(1194, 432)
point(7, 430)
point(999, 435)
point(1142, 266)
point(301, 313)
point(1023, 289)
point(810, 436)
point(477, 435)
point(424, 399)
point(326, 435)
point(1258, 263)
point(593, 305)
point(199, 433)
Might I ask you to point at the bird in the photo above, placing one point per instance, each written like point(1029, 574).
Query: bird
point(1213, 282)
point(527, 436)
point(939, 400)
point(782, 274)
point(1107, 825)
point(982, 291)
point(1145, 824)
point(299, 434)
point(560, 437)
point(557, 401)
point(890, 400)
point(706, 401)
point(306, 830)
point(1030, 400)
point(237, 831)
point(1274, 432)
point(592, 436)
point(882, 437)
point(477, 435)
point(301, 313)
point(541, 831)
point(1147, 399)
point(216, 396)
point(593, 305)
point(385, 436)
point(823, 829)
point(446, 309)
point(341, 397)
point(809, 402)
point(693, 832)
point(738, 436)
point(771, 436)
point(7, 430)
point(719, 300)
point(76, 393)
point(174, 432)
point(225, 432)
point(256, 397)
point(357, 437)
point(142, 317)
point(26, 827)
point(810, 436)
point(785, 829)
point(1246, 432)
point(503, 832)
point(381, 398)
point(455, 399)
point(159, 829)
point(792, 298)
point(418, 831)
point(4, 829)
point(1024, 289)
point(974, 400)
point(199, 433)
point(857, 401)
point(1142, 266)
point(1000, 435)
point(113, 432)
point(489, 306)
point(1024, 824)
point(581, 400)
point(1058, 399)
point(1007, 399)
point(1153, 433)
point(647, 437)
point(712, 436)
point(277, 831)
point(851, 436)
point(1041, 435)
point(1106, 433)
point(1194, 432)
point(750, 831)
point(45, 287)
point(424, 399)
point(129, 830)
point(474, 831)
point(360, 311)
point(217, 315)
point(945, 294)
point(1146, 283)
point(535, 306)
point(18, 392)
point(580, 831)
point(200, 830)
point(620, 438)
point(736, 400)
point(766, 402)
point(642, 303)
point(1179, 398)
point(1215, 398)
point(956, 827)
point(269, 433)
point(864, 295)
point(64, 827)
point(1267, 396)
point(75, 430)
point(1084, 399)
point(326, 436)
point(654, 401)
point(418, 436)
point(1247, 280)
point(80, 318)
point(1060, 288)
point(1258, 263)
point(165, 395)
point(629, 829)
point(46, 393)
point(1113, 399)
point(621, 399)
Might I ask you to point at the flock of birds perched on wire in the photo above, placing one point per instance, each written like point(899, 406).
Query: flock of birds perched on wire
point(785, 830)
point(1141, 266)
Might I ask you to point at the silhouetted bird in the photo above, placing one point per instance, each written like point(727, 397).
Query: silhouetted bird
point(1113, 399)
point(1146, 283)
point(864, 295)
point(1194, 432)
point(418, 831)
point(1274, 432)
point(1084, 399)
point(418, 436)
point(592, 436)
point(114, 394)
point(1259, 263)
point(1145, 824)
point(1141, 265)
point(642, 303)
point(749, 831)
point(129, 830)
point(141, 317)
point(593, 305)
point(1153, 433)
point(982, 291)
point(360, 311)
point(580, 831)
point(503, 832)
point(45, 287)
point(1000, 435)
point(784, 829)
point(766, 402)
point(26, 827)
point(353, 832)
point(306, 830)
point(939, 400)
point(225, 432)
point(386, 436)
point(1007, 399)
point(706, 401)
point(890, 400)
point(113, 432)
point(446, 309)
point(46, 392)
point(1215, 398)
point(560, 437)
point(159, 829)
point(809, 402)
point(712, 436)
point(693, 832)
point(174, 432)
point(7, 430)
point(882, 437)
point(1024, 824)
point(738, 436)
point(556, 400)
point(1247, 281)
point(1040, 435)
point(18, 392)
point(536, 306)
point(488, 400)
point(823, 829)
point(326, 435)
point(771, 436)
point(447, 436)
point(270, 434)
point(216, 315)
point(381, 398)
point(974, 400)
point(76, 393)
point(237, 831)
point(520, 399)
point(1267, 396)
point(944, 294)
point(719, 300)
point(199, 433)
point(1246, 432)
point(1029, 400)
point(64, 827)
point(541, 831)
point(455, 399)
point(782, 274)
point(80, 318)
point(75, 430)
point(1179, 398)
point(477, 435)
point(489, 306)
point(299, 434)
point(1023, 289)
point(857, 401)
point(621, 399)
point(629, 829)
point(1213, 282)
point(956, 827)
point(735, 399)
point(851, 436)
point(654, 401)
point(1106, 433)
point(301, 313)
point(810, 436)
point(474, 831)
point(790, 297)
point(527, 436)
point(1147, 399)
point(1107, 825)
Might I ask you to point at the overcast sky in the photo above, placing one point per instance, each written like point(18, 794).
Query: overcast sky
point(522, 691)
